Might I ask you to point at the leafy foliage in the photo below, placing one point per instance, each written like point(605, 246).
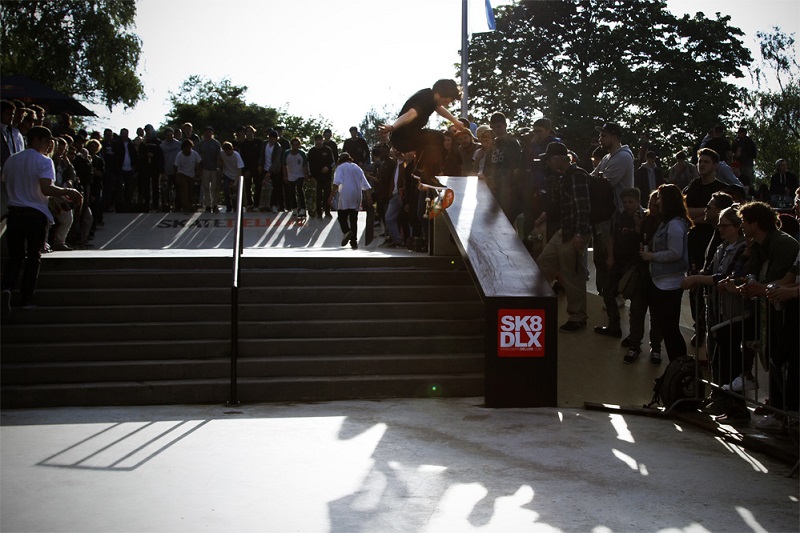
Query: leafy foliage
point(585, 62)
point(775, 114)
point(82, 48)
point(222, 105)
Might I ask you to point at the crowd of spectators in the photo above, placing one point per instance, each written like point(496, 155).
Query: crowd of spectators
point(657, 225)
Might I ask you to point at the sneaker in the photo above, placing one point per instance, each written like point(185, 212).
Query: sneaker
point(28, 304)
point(6, 309)
point(608, 331)
point(655, 358)
point(736, 384)
point(274, 208)
point(346, 238)
point(294, 212)
point(738, 416)
point(301, 212)
point(769, 423)
point(631, 356)
point(354, 246)
point(572, 326)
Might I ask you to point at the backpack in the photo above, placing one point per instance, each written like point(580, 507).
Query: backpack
point(601, 199)
point(679, 381)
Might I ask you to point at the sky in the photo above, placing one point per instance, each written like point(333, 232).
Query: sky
point(336, 59)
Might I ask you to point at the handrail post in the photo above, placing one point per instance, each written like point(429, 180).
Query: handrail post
point(238, 246)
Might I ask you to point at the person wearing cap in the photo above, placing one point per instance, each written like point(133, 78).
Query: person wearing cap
point(270, 169)
point(617, 167)
point(209, 149)
point(349, 181)
point(564, 254)
point(29, 178)
point(357, 147)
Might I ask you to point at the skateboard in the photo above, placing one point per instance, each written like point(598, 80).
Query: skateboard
point(369, 228)
point(442, 199)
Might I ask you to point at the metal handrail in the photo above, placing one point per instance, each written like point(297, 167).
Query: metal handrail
point(238, 247)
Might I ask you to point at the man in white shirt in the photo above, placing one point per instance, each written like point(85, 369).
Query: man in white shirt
point(349, 180)
point(29, 178)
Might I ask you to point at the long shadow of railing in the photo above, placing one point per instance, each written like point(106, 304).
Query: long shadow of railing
point(238, 246)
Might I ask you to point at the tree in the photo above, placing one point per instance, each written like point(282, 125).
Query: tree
point(369, 124)
point(81, 48)
point(222, 105)
point(584, 62)
point(774, 114)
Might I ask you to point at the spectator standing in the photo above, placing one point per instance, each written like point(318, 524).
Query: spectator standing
point(783, 182)
point(320, 165)
point(330, 143)
point(623, 253)
point(506, 158)
point(232, 167)
point(682, 172)
point(209, 149)
point(773, 260)
point(617, 167)
point(126, 161)
point(295, 171)
point(151, 164)
point(357, 147)
point(29, 178)
point(744, 154)
point(170, 148)
point(564, 254)
point(648, 177)
point(188, 165)
point(250, 150)
point(669, 261)
point(270, 169)
point(698, 195)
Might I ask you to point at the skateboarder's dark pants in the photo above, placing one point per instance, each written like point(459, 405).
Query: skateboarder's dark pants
point(293, 194)
point(323, 193)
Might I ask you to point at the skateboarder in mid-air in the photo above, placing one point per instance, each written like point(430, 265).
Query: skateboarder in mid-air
point(409, 132)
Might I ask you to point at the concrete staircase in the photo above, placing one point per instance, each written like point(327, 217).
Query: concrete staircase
point(136, 331)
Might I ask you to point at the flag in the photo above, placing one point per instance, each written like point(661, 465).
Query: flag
point(489, 16)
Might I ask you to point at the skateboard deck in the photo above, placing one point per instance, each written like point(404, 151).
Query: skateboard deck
point(369, 228)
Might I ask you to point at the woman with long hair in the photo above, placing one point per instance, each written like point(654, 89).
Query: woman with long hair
point(669, 261)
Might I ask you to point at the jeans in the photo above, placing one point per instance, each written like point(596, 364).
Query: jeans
point(393, 210)
point(666, 310)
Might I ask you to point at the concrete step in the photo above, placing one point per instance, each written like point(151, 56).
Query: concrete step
point(202, 348)
point(89, 314)
point(251, 390)
point(81, 372)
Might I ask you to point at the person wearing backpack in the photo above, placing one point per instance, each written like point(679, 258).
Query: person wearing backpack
point(616, 168)
point(669, 261)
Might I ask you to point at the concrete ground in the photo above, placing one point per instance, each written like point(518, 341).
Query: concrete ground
point(438, 465)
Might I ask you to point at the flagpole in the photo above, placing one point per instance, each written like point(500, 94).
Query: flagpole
point(464, 57)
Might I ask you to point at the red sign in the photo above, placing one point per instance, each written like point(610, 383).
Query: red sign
point(520, 333)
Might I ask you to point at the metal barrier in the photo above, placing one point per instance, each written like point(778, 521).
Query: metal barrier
point(238, 246)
